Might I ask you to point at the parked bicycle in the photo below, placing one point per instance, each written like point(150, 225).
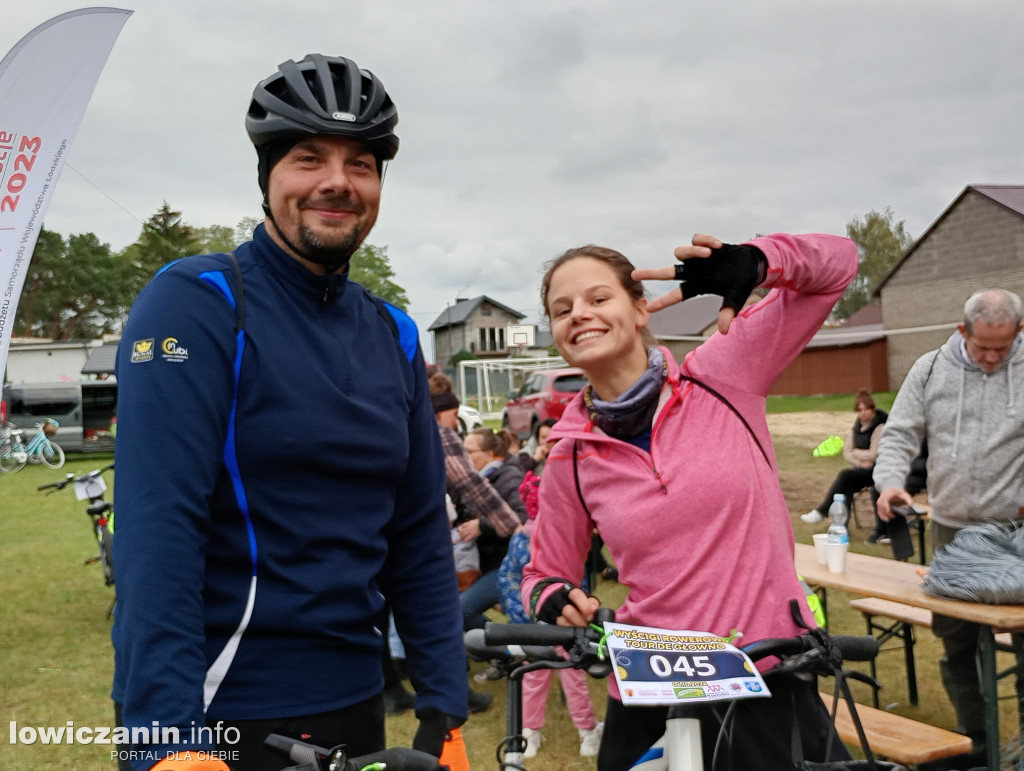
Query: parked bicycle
point(310, 756)
point(14, 453)
point(520, 648)
point(91, 487)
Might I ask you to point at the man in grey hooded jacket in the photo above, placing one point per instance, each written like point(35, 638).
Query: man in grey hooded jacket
point(967, 399)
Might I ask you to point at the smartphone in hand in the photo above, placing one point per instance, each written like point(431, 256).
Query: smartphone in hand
point(899, 531)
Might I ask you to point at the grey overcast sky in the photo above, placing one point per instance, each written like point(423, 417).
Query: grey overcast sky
point(533, 126)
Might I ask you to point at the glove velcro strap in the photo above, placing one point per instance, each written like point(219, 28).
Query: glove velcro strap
point(554, 603)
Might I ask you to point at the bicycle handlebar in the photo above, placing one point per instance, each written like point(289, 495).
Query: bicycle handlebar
point(850, 647)
point(72, 478)
point(312, 757)
point(58, 485)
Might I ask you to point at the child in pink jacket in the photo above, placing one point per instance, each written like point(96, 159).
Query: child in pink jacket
point(677, 472)
point(536, 684)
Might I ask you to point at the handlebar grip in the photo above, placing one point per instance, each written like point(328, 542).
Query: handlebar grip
point(479, 650)
point(296, 749)
point(856, 647)
point(309, 756)
point(396, 759)
point(529, 634)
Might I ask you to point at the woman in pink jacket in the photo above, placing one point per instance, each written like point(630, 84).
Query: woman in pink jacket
point(676, 469)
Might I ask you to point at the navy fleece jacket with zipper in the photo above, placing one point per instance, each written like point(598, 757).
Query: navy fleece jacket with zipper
point(271, 485)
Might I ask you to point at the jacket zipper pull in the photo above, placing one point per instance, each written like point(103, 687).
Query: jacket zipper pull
point(327, 291)
point(657, 475)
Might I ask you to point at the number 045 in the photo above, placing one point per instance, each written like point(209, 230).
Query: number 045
point(691, 666)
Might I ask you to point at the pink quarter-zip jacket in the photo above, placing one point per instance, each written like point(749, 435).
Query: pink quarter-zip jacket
point(698, 527)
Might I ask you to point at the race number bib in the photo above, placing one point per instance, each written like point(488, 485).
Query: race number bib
point(658, 666)
point(91, 487)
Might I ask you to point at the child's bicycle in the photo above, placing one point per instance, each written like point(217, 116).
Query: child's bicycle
point(310, 756)
point(90, 487)
point(14, 453)
point(520, 648)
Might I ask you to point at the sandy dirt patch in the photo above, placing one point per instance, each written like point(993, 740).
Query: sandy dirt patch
point(805, 479)
point(810, 427)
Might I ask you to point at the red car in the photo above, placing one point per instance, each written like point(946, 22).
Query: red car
point(544, 395)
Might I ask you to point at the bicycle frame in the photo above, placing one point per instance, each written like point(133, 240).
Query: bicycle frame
point(527, 658)
point(14, 453)
point(90, 487)
point(37, 444)
point(679, 749)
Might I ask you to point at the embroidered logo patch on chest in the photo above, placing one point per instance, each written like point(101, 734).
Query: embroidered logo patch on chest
point(172, 350)
point(142, 350)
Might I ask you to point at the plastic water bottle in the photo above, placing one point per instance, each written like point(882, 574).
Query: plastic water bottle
point(840, 515)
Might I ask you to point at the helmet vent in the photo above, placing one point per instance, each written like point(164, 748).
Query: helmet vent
point(326, 95)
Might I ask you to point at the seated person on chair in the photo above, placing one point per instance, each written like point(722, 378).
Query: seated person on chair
point(860, 450)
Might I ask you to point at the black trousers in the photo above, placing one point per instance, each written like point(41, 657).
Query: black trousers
point(758, 734)
point(360, 727)
point(848, 482)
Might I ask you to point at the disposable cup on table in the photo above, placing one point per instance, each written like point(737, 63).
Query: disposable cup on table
point(819, 547)
point(836, 553)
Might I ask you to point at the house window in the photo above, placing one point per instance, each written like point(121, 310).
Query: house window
point(492, 338)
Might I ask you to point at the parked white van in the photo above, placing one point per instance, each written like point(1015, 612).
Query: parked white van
point(85, 411)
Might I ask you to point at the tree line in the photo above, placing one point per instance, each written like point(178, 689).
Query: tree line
point(79, 288)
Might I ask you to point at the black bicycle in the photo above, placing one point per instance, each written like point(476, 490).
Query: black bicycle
point(91, 487)
point(520, 648)
point(311, 756)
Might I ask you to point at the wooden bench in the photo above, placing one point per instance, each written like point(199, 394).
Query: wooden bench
point(895, 737)
point(901, 622)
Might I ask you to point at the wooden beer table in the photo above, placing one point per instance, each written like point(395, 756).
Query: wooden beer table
point(868, 576)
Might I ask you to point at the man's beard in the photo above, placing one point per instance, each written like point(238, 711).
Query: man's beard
point(331, 251)
point(336, 252)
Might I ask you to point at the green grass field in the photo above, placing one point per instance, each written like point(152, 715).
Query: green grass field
point(831, 403)
point(56, 657)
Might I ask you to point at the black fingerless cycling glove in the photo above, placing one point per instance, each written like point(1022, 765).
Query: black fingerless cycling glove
point(553, 604)
point(731, 272)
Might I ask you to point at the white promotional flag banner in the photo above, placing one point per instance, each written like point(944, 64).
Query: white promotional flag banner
point(46, 82)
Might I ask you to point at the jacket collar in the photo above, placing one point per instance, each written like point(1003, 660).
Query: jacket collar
point(291, 272)
point(575, 421)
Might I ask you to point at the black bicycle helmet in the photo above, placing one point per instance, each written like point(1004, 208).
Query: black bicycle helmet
point(320, 95)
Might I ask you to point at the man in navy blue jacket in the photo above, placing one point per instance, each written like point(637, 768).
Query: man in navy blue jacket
point(279, 468)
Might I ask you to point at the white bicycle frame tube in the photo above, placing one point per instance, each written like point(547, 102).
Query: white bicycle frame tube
point(682, 744)
point(681, 748)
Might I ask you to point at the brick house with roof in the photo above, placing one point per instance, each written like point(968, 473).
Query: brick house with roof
point(476, 325)
point(976, 243)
